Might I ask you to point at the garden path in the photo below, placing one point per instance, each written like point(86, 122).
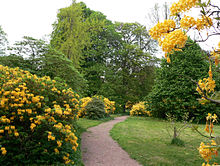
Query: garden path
point(99, 149)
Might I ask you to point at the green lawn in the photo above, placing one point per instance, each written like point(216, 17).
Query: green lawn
point(147, 141)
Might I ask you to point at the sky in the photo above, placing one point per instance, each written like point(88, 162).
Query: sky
point(34, 18)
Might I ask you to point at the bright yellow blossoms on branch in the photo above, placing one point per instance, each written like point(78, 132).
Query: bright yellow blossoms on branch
point(187, 22)
point(206, 151)
point(216, 55)
point(182, 6)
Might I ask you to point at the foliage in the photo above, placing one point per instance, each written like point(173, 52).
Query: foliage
point(132, 66)
point(109, 106)
point(140, 109)
point(41, 59)
point(3, 41)
point(70, 32)
point(95, 109)
point(174, 92)
point(104, 41)
point(36, 120)
point(178, 142)
point(175, 128)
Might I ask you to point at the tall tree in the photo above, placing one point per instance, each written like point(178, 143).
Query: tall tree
point(130, 61)
point(104, 40)
point(174, 91)
point(3, 41)
point(70, 32)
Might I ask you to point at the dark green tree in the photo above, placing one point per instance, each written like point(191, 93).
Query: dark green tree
point(174, 91)
point(104, 40)
point(131, 61)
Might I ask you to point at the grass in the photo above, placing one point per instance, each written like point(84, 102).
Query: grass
point(147, 141)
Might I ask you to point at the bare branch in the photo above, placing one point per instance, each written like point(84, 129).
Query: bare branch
point(201, 133)
point(214, 12)
point(214, 6)
point(203, 40)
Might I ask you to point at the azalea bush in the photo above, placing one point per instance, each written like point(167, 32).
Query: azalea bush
point(36, 120)
point(140, 109)
point(95, 109)
point(109, 106)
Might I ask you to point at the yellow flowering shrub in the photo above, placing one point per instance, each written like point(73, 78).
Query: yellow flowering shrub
point(83, 103)
point(140, 109)
point(109, 105)
point(36, 117)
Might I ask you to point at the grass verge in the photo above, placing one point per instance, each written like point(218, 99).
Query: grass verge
point(147, 141)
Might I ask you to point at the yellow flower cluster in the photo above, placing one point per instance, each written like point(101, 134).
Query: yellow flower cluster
point(207, 151)
point(139, 109)
point(109, 106)
point(84, 101)
point(203, 22)
point(169, 38)
point(4, 151)
point(26, 103)
point(216, 54)
point(174, 41)
point(210, 119)
point(182, 6)
point(161, 29)
point(187, 22)
point(207, 84)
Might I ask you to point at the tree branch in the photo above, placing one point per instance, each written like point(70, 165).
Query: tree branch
point(201, 133)
point(203, 40)
point(204, 95)
point(214, 6)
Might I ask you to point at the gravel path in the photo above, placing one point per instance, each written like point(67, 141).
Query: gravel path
point(99, 149)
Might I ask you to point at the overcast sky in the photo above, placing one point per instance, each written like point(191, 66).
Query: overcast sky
point(35, 17)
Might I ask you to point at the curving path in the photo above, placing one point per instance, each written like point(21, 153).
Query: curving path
point(99, 149)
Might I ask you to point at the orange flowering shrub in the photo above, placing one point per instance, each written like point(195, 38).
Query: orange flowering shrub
point(36, 117)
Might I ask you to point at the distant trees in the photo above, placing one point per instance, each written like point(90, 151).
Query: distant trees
point(41, 59)
point(92, 55)
point(3, 41)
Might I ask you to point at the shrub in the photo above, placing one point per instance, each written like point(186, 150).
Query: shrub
point(36, 117)
point(140, 109)
point(109, 106)
point(95, 109)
